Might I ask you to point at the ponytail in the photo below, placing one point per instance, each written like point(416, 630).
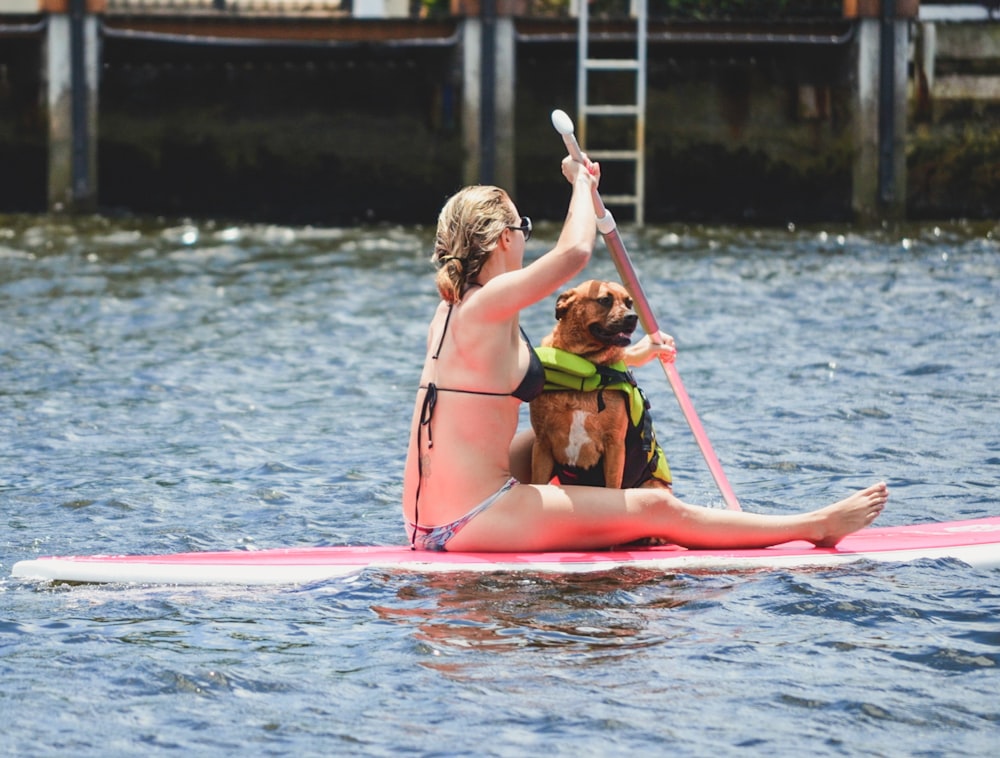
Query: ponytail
point(469, 226)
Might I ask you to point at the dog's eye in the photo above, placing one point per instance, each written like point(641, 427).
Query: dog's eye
point(606, 301)
point(628, 303)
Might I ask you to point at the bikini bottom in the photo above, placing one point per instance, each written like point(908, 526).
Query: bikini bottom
point(437, 537)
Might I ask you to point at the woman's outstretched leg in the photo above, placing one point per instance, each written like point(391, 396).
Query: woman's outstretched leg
point(547, 517)
point(697, 527)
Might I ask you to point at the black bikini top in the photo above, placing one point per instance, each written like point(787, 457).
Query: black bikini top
point(531, 386)
point(533, 382)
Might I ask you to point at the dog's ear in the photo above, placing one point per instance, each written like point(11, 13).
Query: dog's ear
point(563, 303)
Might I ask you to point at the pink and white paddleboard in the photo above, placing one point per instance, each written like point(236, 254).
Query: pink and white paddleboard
point(976, 542)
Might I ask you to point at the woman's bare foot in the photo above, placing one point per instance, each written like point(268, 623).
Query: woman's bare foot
point(850, 515)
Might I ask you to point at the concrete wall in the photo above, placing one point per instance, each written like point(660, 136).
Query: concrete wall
point(953, 140)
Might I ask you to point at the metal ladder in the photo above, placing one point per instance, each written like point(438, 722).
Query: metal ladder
point(586, 65)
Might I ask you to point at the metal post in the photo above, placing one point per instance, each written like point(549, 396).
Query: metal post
point(887, 103)
point(80, 98)
point(487, 88)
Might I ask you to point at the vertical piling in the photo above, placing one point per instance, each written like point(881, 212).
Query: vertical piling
point(472, 61)
point(504, 93)
point(488, 70)
point(70, 61)
point(879, 186)
point(487, 86)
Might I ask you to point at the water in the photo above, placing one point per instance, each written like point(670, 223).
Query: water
point(170, 387)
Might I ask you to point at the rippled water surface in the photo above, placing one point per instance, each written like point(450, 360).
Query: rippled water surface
point(168, 387)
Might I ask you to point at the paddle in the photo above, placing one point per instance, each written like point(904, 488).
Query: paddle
point(609, 230)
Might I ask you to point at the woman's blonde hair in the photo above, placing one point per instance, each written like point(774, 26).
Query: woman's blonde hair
point(469, 227)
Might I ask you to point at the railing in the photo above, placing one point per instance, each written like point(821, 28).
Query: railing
point(682, 11)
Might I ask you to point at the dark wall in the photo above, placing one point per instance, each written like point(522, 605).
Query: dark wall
point(757, 133)
point(23, 126)
point(370, 134)
point(359, 132)
point(330, 135)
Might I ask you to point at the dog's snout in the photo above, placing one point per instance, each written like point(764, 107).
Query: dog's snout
point(631, 320)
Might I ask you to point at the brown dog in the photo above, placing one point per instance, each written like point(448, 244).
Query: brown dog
point(595, 429)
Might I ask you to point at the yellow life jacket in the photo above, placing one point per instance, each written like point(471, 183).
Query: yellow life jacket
point(566, 371)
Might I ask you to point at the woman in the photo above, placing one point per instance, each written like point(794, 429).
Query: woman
point(459, 493)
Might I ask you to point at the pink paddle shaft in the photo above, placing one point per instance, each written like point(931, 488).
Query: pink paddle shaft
point(613, 240)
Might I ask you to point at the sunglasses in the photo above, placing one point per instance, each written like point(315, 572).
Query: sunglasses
point(525, 227)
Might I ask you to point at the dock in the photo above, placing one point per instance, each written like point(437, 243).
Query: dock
point(340, 112)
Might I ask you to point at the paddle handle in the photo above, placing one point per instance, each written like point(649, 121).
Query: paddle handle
point(626, 271)
point(564, 125)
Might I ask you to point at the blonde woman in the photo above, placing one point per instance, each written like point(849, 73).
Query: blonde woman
point(460, 492)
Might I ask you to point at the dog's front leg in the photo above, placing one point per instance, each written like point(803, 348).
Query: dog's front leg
point(614, 463)
point(614, 424)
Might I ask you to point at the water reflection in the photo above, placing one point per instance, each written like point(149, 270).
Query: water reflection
point(587, 617)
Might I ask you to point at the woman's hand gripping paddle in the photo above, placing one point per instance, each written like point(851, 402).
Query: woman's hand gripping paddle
point(609, 230)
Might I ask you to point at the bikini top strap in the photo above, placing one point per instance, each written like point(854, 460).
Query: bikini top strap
point(447, 319)
point(443, 332)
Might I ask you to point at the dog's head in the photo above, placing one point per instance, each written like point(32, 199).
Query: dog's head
point(594, 320)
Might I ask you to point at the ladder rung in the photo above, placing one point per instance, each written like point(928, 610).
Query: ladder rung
point(612, 110)
point(613, 155)
point(620, 199)
point(612, 64)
